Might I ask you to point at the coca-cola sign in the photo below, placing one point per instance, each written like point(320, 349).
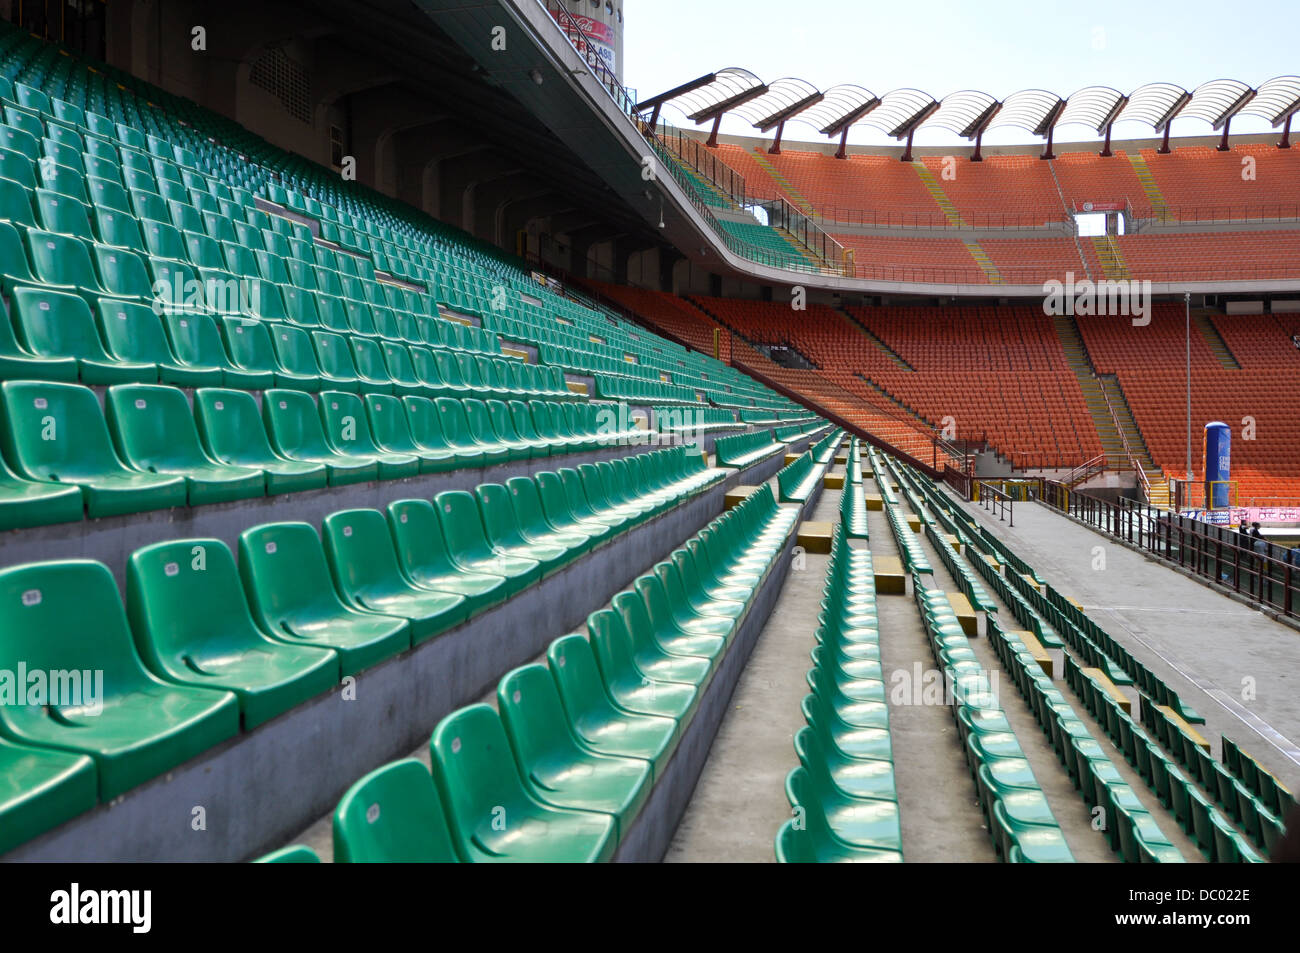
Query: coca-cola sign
point(595, 30)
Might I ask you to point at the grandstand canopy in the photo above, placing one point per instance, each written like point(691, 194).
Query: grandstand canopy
point(968, 113)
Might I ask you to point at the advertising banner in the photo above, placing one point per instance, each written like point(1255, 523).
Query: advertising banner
point(597, 38)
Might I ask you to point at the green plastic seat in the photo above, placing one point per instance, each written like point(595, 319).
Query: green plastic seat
point(863, 821)
point(15, 199)
point(364, 566)
point(695, 602)
point(583, 509)
point(16, 273)
point(596, 722)
point(559, 514)
point(425, 424)
point(196, 342)
point(556, 768)
point(334, 358)
point(372, 372)
point(55, 433)
point(1033, 844)
point(67, 616)
point(424, 559)
point(503, 533)
point(398, 367)
point(504, 430)
point(296, 433)
point(629, 686)
point(192, 626)
point(347, 430)
point(291, 596)
point(468, 546)
point(493, 817)
point(40, 788)
point(393, 815)
point(153, 430)
point(593, 490)
point(230, 427)
point(134, 335)
point(842, 740)
point(63, 260)
point(294, 353)
point(533, 524)
point(469, 418)
point(391, 430)
point(63, 215)
point(687, 634)
point(425, 368)
point(454, 427)
point(52, 324)
point(248, 342)
point(809, 838)
point(26, 503)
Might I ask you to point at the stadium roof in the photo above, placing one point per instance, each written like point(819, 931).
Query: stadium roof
point(968, 112)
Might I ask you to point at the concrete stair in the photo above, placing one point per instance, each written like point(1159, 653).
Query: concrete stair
point(1110, 258)
point(983, 260)
point(795, 196)
point(880, 345)
point(1219, 347)
point(1097, 391)
point(936, 191)
point(1155, 198)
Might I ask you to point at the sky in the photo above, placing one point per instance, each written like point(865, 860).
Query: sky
point(998, 46)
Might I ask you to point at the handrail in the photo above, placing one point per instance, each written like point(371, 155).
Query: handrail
point(1002, 505)
point(1268, 574)
point(1138, 472)
point(1086, 470)
point(572, 31)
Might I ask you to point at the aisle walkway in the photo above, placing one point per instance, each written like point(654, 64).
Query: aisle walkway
point(1230, 662)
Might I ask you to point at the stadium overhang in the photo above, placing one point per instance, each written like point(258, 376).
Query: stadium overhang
point(608, 135)
point(970, 113)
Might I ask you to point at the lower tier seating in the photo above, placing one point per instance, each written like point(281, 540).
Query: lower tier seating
point(148, 450)
point(207, 645)
point(843, 793)
point(562, 765)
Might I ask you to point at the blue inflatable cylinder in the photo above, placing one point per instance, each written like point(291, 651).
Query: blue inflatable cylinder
point(1218, 465)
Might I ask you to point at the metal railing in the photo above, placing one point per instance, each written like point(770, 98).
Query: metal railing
point(573, 32)
point(1268, 574)
point(1002, 505)
point(1227, 214)
point(1139, 473)
point(832, 215)
point(1086, 470)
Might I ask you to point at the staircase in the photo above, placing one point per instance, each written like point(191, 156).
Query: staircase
point(1110, 258)
point(1076, 355)
point(1157, 486)
point(1103, 395)
point(1219, 347)
point(881, 346)
point(894, 402)
point(796, 197)
point(983, 260)
point(804, 251)
point(937, 193)
point(1155, 198)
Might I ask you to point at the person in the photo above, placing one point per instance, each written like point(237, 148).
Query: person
point(1257, 538)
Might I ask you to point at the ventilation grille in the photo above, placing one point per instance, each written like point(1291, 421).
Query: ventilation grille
point(284, 79)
